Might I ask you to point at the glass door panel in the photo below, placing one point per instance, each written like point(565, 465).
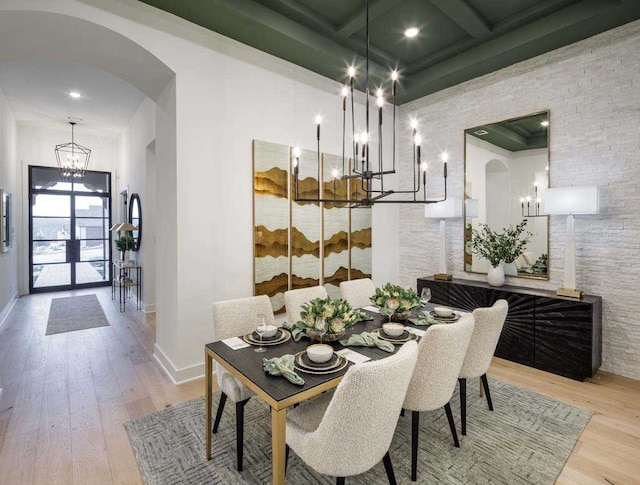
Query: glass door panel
point(91, 238)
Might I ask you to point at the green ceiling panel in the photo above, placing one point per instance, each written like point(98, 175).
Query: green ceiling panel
point(459, 39)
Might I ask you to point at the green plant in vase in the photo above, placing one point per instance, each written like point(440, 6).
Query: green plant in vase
point(514, 241)
point(396, 302)
point(124, 244)
point(338, 314)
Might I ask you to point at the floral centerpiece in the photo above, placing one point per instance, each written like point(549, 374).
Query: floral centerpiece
point(338, 315)
point(514, 241)
point(395, 301)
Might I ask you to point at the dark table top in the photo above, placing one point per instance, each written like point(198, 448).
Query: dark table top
point(249, 363)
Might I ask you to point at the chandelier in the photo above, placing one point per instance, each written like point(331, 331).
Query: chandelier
point(73, 159)
point(368, 175)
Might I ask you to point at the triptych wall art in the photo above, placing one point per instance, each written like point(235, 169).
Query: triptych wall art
point(297, 245)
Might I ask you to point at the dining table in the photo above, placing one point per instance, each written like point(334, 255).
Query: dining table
point(247, 366)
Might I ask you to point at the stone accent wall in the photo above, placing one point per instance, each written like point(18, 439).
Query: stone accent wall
point(592, 89)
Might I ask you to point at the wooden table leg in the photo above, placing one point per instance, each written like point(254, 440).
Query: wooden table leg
point(278, 444)
point(481, 389)
point(208, 370)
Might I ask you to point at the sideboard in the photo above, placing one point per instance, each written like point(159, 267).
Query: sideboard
point(549, 332)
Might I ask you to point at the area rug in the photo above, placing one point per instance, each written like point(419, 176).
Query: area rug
point(526, 440)
point(75, 313)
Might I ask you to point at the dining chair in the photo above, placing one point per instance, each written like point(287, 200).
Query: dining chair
point(489, 323)
point(440, 355)
point(347, 432)
point(357, 292)
point(294, 299)
point(232, 318)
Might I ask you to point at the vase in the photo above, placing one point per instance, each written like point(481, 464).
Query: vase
point(327, 337)
point(495, 276)
point(400, 317)
point(510, 269)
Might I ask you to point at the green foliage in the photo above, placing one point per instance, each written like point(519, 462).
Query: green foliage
point(395, 299)
point(124, 243)
point(500, 246)
point(338, 313)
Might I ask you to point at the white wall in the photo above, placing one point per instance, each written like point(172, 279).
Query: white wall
point(36, 147)
point(8, 182)
point(591, 90)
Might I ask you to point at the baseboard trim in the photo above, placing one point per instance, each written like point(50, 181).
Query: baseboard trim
point(148, 307)
point(8, 307)
point(177, 376)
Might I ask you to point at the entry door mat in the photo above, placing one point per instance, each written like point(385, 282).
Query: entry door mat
point(525, 441)
point(75, 313)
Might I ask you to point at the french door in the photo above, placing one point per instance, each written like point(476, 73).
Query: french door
point(69, 222)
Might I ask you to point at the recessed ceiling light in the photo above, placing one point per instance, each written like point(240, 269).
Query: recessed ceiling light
point(411, 32)
point(544, 123)
point(75, 94)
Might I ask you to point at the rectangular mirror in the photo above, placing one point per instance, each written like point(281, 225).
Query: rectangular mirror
point(5, 227)
point(506, 174)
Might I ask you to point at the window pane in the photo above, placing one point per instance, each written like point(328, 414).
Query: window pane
point(56, 228)
point(49, 252)
point(91, 272)
point(91, 206)
point(92, 229)
point(51, 205)
point(93, 250)
point(51, 275)
point(49, 179)
point(92, 182)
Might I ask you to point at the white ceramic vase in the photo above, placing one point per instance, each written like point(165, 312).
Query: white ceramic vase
point(495, 276)
point(510, 269)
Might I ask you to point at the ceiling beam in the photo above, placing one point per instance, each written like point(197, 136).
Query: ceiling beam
point(358, 21)
point(420, 80)
point(465, 16)
point(508, 134)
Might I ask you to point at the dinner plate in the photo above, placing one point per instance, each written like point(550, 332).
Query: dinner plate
point(453, 318)
point(281, 336)
point(405, 337)
point(341, 364)
point(303, 360)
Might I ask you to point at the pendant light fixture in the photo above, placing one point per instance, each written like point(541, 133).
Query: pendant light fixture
point(73, 159)
point(368, 176)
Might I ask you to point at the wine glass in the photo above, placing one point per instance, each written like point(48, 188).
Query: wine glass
point(321, 327)
point(260, 329)
point(426, 294)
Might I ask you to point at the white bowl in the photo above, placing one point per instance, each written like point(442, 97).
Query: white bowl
point(443, 311)
point(393, 329)
point(269, 330)
point(319, 353)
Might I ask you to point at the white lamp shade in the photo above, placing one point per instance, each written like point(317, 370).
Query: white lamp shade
point(572, 200)
point(471, 207)
point(449, 208)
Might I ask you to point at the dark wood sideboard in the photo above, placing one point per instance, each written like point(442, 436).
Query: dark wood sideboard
point(549, 332)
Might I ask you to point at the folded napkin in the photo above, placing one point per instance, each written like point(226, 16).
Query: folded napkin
point(368, 339)
point(427, 319)
point(283, 366)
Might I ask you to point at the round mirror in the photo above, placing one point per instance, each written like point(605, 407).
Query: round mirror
point(135, 218)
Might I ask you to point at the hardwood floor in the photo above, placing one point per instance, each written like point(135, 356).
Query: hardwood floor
point(65, 398)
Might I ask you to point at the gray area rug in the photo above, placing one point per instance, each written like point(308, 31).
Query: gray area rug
point(75, 313)
point(526, 440)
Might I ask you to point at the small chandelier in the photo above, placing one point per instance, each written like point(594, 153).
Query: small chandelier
point(367, 175)
point(73, 159)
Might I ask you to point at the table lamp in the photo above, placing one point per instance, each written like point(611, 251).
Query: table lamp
point(447, 209)
point(571, 201)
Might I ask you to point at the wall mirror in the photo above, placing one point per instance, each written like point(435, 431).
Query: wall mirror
point(506, 174)
point(135, 218)
point(5, 227)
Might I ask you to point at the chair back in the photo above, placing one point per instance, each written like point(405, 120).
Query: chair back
point(294, 299)
point(232, 318)
point(357, 293)
point(441, 352)
point(358, 425)
point(489, 324)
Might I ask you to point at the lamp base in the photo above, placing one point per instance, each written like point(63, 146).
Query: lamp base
point(570, 293)
point(442, 276)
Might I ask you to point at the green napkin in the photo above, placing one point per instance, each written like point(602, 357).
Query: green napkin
point(283, 366)
point(368, 339)
point(424, 319)
point(365, 317)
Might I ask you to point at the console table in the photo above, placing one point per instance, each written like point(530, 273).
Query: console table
point(543, 330)
point(127, 279)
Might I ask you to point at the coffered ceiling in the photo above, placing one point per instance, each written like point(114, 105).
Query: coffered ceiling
point(458, 39)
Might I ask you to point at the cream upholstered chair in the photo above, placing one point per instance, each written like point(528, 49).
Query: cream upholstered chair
point(357, 292)
point(489, 323)
point(232, 318)
point(441, 352)
point(293, 300)
point(348, 432)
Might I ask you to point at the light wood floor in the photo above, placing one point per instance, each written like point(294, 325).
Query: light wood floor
point(65, 398)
